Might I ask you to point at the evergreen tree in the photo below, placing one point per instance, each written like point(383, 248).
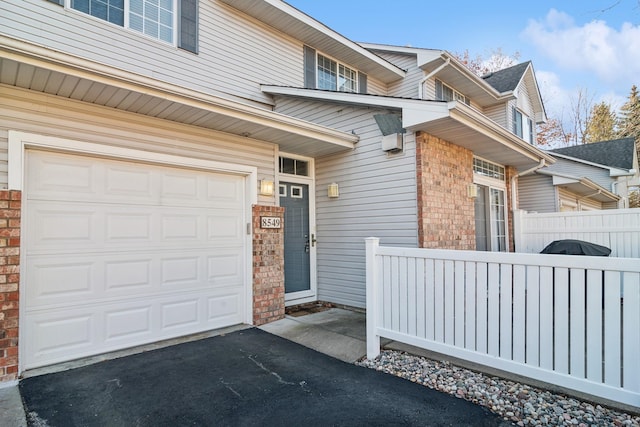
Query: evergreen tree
point(629, 121)
point(601, 123)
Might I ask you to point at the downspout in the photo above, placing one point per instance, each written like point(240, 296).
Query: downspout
point(513, 182)
point(431, 74)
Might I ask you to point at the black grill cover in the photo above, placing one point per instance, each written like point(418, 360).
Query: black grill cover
point(575, 247)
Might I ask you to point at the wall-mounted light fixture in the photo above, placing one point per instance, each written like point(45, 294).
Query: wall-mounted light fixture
point(472, 191)
point(333, 191)
point(266, 187)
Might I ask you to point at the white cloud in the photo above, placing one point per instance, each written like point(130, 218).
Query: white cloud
point(594, 47)
point(554, 95)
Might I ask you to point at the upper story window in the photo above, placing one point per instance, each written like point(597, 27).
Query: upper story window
point(522, 125)
point(171, 21)
point(154, 18)
point(447, 93)
point(322, 72)
point(335, 76)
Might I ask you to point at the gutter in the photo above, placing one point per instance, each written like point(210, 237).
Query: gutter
point(514, 188)
point(431, 74)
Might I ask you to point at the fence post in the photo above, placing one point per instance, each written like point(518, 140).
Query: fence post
point(372, 277)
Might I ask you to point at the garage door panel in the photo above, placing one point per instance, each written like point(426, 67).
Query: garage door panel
point(69, 333)
point(120, 254)
point(65, 281)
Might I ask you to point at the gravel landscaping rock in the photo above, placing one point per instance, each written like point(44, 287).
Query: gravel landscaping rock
point(521, 404)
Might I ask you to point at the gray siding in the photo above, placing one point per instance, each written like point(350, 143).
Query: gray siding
point(498, 113)
point(53, 116)
point(377, 198)
point(536, 193)
point(596, 174)
point(236, 55)
point(407, 87)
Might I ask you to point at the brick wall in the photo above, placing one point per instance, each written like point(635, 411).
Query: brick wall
point(268, 267)
point(10, 202)
point(446, 216)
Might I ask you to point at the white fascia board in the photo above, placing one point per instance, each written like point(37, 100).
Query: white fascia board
point(38, 56)
point(345, 97)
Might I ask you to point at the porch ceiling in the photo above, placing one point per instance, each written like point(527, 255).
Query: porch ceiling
point(462, 125)
point(100, 85)
point(583, 187)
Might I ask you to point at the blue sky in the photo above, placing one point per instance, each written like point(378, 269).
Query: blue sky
point(592, 44)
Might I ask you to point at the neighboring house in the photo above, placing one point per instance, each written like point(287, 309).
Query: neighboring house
point(151, 155)
point(591, 176)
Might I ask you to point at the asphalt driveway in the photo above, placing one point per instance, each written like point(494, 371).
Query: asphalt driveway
point(245, 378)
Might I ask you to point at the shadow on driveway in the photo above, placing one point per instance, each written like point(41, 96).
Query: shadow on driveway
point(245, 378)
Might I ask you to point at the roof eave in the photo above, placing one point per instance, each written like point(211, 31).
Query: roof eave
point(289, 20)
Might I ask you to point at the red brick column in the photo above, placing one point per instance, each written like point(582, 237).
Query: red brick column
point(10, 208)
point(511, 172)
point(446, 215)
point(268, 267)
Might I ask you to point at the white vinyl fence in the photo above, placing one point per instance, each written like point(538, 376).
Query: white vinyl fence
point(573, 321)
point(617, 229)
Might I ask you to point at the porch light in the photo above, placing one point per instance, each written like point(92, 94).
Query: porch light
point(333, 191)
point(266, 187)
point(472, 191)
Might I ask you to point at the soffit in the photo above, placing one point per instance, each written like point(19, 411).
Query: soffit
point(292, 135)
point(463, 126)
point(301, 26)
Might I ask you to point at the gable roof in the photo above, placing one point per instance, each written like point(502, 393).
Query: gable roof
point(617, 153)
point(507, 79)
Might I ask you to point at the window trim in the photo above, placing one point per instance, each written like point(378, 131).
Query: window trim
point(338, 65)
point(176, 18)
point(456, 95)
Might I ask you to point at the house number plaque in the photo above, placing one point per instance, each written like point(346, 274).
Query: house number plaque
point(270, 222)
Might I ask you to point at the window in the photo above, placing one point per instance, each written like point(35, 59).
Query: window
point(334, 76)
point(522, 125)
point(294, 166)
point(488, 169)
point(171, 21)
point(322, 72)
point(447, 93)
point(517, 122)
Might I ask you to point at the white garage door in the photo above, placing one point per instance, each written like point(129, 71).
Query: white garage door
point(120, 254)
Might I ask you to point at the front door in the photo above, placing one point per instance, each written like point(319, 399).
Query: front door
point(298, 240)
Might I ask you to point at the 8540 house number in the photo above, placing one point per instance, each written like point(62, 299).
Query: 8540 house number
point(270, 222)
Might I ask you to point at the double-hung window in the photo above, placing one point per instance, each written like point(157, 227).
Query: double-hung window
point(322, 72)
point(335, 76)
point(170, 21)
point(522, 125)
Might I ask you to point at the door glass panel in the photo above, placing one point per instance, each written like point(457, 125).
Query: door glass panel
point(481, 219)
point(499, 223)
point(296, 238)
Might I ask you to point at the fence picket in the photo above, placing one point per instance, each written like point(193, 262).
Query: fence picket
point(631, 331)
point(577, 323)
point(612, 329)
point(533, 315)
point(594, 325)
point(569, 321)
point(546, 318)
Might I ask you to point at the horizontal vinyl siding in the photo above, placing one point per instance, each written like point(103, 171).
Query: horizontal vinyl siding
point(25, 111)
point(408, 86)
point(377, 198)
point(578, 200)
point(577, 169)
point(498, 113)
point(236, 53)
point(536, 193)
